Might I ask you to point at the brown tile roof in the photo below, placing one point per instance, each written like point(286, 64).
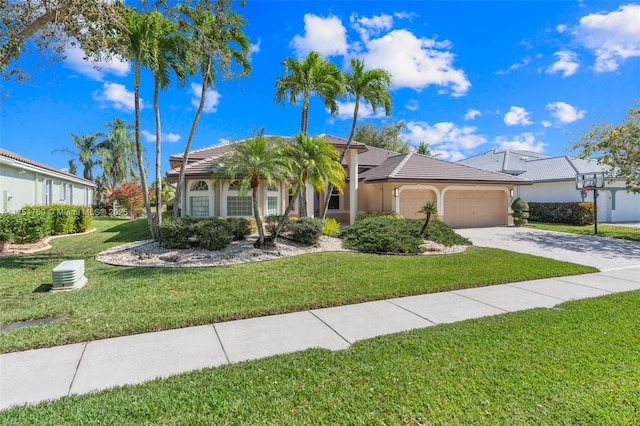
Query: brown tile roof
point(421, 168)
point(13, 156)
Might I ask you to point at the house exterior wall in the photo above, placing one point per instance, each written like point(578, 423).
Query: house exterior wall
point(27, 186)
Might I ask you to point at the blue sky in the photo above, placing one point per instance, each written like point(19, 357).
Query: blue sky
point(469, 76)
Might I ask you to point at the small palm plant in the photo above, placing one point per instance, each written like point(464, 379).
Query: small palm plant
point(428, 209)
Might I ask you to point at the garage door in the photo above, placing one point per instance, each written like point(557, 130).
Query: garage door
point(412, 200)
point(627, 207)
point(467, 209)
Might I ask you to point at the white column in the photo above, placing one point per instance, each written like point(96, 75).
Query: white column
point(353, 185)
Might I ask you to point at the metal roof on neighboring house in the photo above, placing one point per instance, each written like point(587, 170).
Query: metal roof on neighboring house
point(421, 168)
point(24, 160)
point(503, 160)
point(558, 169)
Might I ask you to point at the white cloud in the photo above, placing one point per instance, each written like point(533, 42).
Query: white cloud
point(472, 114)
point(523, 142)
point(325, 35)
point(517, 116)
point(368, 27)
point(612, 36)
point(445, 138)
point(561, 28)
point(166, 137)
point(412, 105)
point(526, 61)
point(364, 111)
point(564, 112)
point(74, 59)
point(416, 62)
point(567, 63)
point(255, 48)
point(211, 100)
point(403, 14)
point(117, 96)
point(546, 123)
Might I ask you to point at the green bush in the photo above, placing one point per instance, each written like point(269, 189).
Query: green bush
point(242, 227)
point(330, 227)
point(366, 215)
point(383, 234)
point(213, 234)
point(84, 219)
point(31, 226)
point(577, 214)
point(520, 211)
point(442, 233)
point(175, 234)
point(6, 236)
point(306, 230)
point(271, 223)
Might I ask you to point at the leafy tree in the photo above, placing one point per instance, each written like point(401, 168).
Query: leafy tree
point(616, 147)
point(86, 150)
point(254, 162)
point(313, 74)
point(130, 195)
point(388, 137)
point(50, 26)
point(314, 161)
point(117, 154)
point(372, 86)
point(217, 43)
point(424, 149)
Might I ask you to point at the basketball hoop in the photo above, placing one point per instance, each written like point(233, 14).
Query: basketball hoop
point(591, 182)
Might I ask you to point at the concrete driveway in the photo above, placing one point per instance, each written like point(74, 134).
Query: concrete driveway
point(600, 252)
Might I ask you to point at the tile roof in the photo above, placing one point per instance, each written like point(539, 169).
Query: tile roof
point(19, 158)
point(421, 168)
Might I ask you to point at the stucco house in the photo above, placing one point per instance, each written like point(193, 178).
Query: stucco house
point(24, 182)
point(554, 180)
point(377, 180)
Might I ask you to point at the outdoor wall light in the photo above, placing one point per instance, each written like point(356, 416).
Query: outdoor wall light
point(396, 192)
point(511, 192)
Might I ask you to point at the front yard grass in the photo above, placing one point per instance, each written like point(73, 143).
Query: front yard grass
point(574, 364)
point(613, 231)
point(120, 301)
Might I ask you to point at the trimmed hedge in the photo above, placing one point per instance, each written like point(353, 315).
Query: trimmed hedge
point(578, 214)
point(210, 233)
point(242, 227)
point(34, 223)
point(306, 230)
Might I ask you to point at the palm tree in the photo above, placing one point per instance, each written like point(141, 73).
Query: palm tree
point(86, 151)
point(311, 75)
point(73, 167)
point(170, 55)
point(371, 86)
point(117, 153)
point(314, 161)
point(429, 209)
point(139, 45)
point(217, 42)
point(254, 162)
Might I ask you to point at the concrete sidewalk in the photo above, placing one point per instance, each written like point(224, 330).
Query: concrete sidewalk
point(38, 375)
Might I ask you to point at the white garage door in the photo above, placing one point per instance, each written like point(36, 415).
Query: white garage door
point(627, 207)
point(467, 209)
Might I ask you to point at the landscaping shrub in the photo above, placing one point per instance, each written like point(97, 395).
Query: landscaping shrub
point(578, 214)
point(175, 234)
point(442, 233)
point(383, 234)
point(366, 215)
point(213, 234)
point(271, 223)
point(330, 227)
point(520, 211)
point(84, 219)
point(64, 219)
point(306, 230)
point(242, 227)
point(30, 226)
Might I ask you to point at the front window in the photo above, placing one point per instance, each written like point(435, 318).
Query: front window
point(239, 206)
point(199, 186)
point(199, 206)
point(334, 201)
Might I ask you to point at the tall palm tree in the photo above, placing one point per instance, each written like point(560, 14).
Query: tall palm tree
point(313, 161)
point(217, 43)
point(73, 167)
point(171, 54)
point(117, 153)
point(313, 74)
point(138, 43)
point(372, 86)
point(86, 151)
point(254, 162)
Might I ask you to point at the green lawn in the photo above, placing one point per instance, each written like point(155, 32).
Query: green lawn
point(575, 364)
point(604, 230)
point(122, 300)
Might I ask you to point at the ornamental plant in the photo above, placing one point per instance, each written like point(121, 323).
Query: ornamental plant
point(129, 196)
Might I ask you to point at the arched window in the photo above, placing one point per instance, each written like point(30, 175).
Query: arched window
point(199, 186)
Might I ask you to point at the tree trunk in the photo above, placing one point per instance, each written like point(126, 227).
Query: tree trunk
point(194, 125)
point(426, 224)
point(156, 107)
point(327, 196)
point(256, 214)
point(284, 217)
point(143, 179)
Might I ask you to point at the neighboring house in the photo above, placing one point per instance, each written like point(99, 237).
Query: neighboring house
point(24, 182)
point(554, 180)
point(377, 180)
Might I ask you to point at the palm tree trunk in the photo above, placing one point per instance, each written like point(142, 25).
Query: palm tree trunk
point(327, 196)
point(143, 179)
point(156, 107)
point(194, 125)
point(284, 217)
point(426, 224)
point(256, 215)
